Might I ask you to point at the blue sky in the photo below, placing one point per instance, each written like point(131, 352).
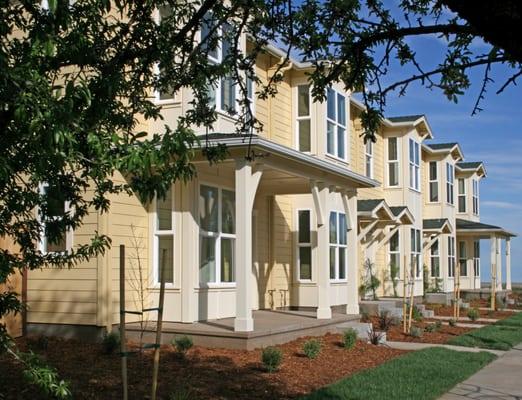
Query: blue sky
point(494, 136)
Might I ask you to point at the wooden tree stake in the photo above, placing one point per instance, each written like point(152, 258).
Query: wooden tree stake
point(158, 328)
point(404, 308)
point(123, 349)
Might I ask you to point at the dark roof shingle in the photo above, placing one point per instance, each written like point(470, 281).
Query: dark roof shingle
point(469, 164)
point(436, 223)
point(441, 146)
point(368, 205)
point(405, 118)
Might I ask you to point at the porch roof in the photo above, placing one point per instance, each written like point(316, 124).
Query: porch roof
point(282, 157)
point(403, 214)
point(480, 229)
point(379, 209)
point(437, 225)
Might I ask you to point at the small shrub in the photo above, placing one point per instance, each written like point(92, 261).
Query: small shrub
point(438, 324)
point(416, 314)
point(375, 337)
point(349, 338)
point(312, 348)
point(473, 314)
point(271, 357)
point(111, 342)
point(181, 394)
point(385, 321)
point(431, 328)
point(182, 344)
point(452, 322)
point(415, 331)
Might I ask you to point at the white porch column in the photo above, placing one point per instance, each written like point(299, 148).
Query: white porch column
point(189, 254)
point(508, 263)
point(493, 260)
point(350, 209)
point(320, 194)
point(499, 263)
point(246, 187)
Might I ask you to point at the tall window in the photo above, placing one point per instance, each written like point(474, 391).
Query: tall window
point(222, 93)
point(450, 177)
point(463, 259)
point(414, 165)
point(451, 256)
point(394, 250)
point(338, 246)
point(416, 251)
point(304, 126)
point(435, 259)
point(304, 245)
point(217, 214)
point(368, 158)
point(393, 162)
point(434, 182)
point(335, 124)
point(475, 197)
point(476, 258)
point(250, 94)
point(462, 195)
point(54, 239)
point(164, 238)
point(165, 93)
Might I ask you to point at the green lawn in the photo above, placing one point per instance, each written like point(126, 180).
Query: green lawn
point(502, 335)
point(420, 375)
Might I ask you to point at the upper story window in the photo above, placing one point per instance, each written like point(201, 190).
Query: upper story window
point(164, 238)
point(222, 93)
point(54, 239)
point(475, 197)
point(434, 182)
point(393, 162)
point(451, 256)
point(304, 245)
point(164, 94)
point(217, 208)
point(368, 158)
point(336, 124)
point(338, 246)
point(414, 165)
point(462, 195)
point(304, 123)
point(450, 177)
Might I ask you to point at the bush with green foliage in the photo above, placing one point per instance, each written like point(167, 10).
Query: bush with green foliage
point(452, 322)
point(431, 328)
point(415, 331)
point(473, 314)
point(182, 344)
point(111, 342)
point(417, 314)
point(349, 338)
point(371, 283)
point(312, 348)
point(271, 357)
point(438, 324)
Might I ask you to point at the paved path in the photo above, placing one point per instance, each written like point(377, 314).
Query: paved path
point(465, 319)
point(420, 346)
point(501, 380)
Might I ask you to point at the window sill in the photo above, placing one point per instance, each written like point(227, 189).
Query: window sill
point(338, 281)
point(168, 286)
point(169, 102)
point(215, 285)
point(336, 159)
point(414, 190)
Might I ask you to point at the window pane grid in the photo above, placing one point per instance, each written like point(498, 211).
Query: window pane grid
point(304, 245)
point(335, 124)
point(338, 246)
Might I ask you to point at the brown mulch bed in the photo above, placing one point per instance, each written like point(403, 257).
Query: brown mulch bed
point(206, 373)
point(441, 336)
point(447, 311)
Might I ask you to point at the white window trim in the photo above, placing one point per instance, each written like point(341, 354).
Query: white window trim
point(303, 117)
point(451, 257)
point(391, 162)
point(218, 236)
point(465, 259)
point(435, 256)
point(417, 252)
point(368, 156)
point(299, 245)
point(475, 197)
point(68, 234)
point(398, 251)
point(476, 258)
point(336, 125)
point(459, 195)
point(436, 181)
point(414, 166)
point(337, 246)
point(450, 184)
point(155, 240)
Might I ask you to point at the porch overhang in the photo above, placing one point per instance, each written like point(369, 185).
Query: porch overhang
point(403, 215)
point(374, 209)
point(481, 230)
point(436, 226)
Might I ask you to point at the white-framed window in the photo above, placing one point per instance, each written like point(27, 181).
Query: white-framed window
point(166, 95)
point(435, 259)
point(336, 124)
point(463, 259)
point(217, 215)
point(414, 149)
point(450, 178)
point(304, 245)
point(164, 238)
point(475, 197)
point(368, 158)
point(57, 208)
point(222, 93)
point(416, 251)
point(304, 118)
point(393, 161)
point(434, 181)
point(451, 256)
point(394, 250)
point(461, 198)
point(338, 246)
point(476, 258)
point(251, 93)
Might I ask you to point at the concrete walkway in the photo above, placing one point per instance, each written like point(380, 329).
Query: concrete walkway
point(465, 319)
point(420, 346)
point(502, 380)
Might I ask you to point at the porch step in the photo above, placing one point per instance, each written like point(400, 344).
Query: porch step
point(362, 328)
point(379, 306)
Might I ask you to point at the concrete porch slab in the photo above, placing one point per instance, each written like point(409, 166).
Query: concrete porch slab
point(270, 328)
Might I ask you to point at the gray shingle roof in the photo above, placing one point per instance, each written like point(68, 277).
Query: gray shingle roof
point(441, 146)
point(368, 205)
point(405, 118)
point(436, 223)
point(397, 210)
point(464, 224)
point(469, 164)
